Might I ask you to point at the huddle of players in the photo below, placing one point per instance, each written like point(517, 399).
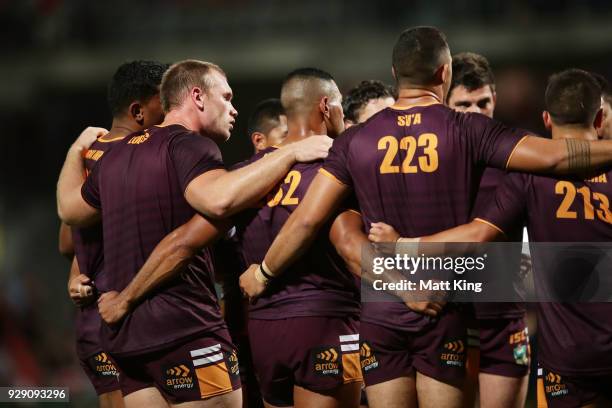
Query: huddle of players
point(311, 342)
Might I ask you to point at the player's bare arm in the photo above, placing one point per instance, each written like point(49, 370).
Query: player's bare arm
point(475, 231)
point(561, 156)
point(347, 236)
point(66, 246)
point(71, 207)
point(218, 193)
point(167, 259)
point(323, 198)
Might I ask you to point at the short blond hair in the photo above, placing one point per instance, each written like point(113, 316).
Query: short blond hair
point(182, 77)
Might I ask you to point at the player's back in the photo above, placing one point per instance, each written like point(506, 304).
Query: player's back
point(319, 283)
point(140, 189)
point(573, 338)
point(418, 169)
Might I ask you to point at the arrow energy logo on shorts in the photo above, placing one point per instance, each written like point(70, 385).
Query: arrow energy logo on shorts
point(178, 377)
point(453, 354)
point(326, 361)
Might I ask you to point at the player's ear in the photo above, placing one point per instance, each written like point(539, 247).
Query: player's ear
point(137, 112)
point(598, 119)
point(494, 98)
point(547, 120)
point(443, 74)
point(197, 96)
point(324, 107)
point(259, 140)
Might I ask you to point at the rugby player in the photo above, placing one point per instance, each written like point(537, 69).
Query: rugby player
point(574, 351)
point(173, 346)
point(304, 330)
point(366, 99)
point(502, 378)
point(267, 125)
point(605, 130)
point(133, 99)
point(416, 166)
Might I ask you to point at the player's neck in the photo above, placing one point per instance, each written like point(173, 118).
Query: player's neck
point(120, 129)
point(416, 96)
point(301, 128)
point(184, 118)
point(572, 132)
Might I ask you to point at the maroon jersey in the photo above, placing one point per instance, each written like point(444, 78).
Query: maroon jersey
point(417, 169)
point(573, 338)
point(491, 179)
point(90, 257)
point(139, 187)
point(318, 284)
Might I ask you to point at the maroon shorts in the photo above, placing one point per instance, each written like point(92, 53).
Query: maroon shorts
point(504, 347)
point(196, 369)
point(438, 351)
point(556, 391)
point(316, 353)
point(102, 372)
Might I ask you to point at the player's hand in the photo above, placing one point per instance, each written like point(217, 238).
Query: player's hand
point(427, 308)
point(249, 285)
point(381, 232)
point(88, 136)
point(80, 290)
point(112, 307)
point(312, 148)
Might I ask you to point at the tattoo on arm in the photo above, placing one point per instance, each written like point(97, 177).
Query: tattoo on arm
point(579, 155)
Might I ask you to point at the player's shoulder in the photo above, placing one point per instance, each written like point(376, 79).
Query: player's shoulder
point(254, 157)
point(172, 132)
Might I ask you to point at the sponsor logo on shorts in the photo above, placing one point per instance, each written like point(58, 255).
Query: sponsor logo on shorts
point(233, 365)
point(367, 357)
point(554, 385)
point(103, 366)
point(520, 351)
point(453, 354)
point(521, 354)
point(326, 361)
point(178, 377)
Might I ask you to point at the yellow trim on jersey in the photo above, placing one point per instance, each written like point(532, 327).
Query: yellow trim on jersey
point(490, 224)
point(355, 211)
point(331, 176)
point(399, 107)
point(514, 149)
point(114, 139)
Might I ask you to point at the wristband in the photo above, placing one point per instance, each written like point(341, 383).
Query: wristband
point(262, 275)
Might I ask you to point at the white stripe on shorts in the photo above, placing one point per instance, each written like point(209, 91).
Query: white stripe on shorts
point(207, 360)
point(349, 337)
point(349, 347)
point(206, 350)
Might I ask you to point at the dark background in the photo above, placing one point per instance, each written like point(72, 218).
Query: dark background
point(57, 56)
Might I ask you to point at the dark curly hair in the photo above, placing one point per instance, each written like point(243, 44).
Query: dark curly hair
point(358, 97)
point(134, 81)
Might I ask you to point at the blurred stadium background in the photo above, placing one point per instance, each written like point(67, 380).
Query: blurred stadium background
point(59, 54)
